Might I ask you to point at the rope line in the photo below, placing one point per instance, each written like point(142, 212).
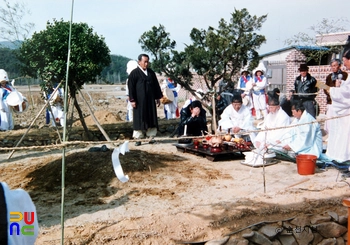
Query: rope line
point(119, 141)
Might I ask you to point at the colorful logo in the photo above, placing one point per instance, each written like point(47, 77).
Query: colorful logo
point(15, 223)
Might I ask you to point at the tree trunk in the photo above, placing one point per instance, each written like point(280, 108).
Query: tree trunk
point(81, 117)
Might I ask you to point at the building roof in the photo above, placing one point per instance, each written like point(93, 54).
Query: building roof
point(297, 47)
point(332, 39)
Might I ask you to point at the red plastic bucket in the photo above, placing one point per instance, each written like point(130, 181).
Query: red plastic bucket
point(306, 164)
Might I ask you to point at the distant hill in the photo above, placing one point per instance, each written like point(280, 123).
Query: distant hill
point(112, 74)
point(10, 45)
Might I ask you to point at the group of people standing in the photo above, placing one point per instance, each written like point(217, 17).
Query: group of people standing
point(303, 135)
point(254, 92)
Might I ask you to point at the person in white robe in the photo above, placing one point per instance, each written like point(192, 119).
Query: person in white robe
point(259, 97)
point(338, 145)
point(276, 118)
point(245, 83)
point(19, 230)
point(6, 119)
point(130, 66)
point(56, 106)
point(171, 109)
point(237, 118)
point(305, 137)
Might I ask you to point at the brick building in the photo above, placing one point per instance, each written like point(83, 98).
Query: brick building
point(282, 65)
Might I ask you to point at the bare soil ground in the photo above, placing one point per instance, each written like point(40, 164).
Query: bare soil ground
point(171, 196)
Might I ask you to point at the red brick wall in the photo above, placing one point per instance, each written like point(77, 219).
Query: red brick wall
point(319, 72)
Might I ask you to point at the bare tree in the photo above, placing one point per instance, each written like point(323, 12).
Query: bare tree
point(317, 35)
point(12, 27)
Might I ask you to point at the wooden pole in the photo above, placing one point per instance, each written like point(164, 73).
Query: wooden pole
point(94, 118)
point(47, 102)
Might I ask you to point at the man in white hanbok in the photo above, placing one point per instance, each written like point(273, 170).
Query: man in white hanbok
point(275, 119)
point(237, 118)
point(338, 145)
point(305, 137)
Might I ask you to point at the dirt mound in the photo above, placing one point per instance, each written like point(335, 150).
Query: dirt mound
point(103, 117)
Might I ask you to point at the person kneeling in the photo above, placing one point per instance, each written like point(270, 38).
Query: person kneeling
point(193, 120)
point(276, 118)
point(237, 118)
point(306, 136)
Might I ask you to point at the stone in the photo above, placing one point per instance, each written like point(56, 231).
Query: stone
point(334, 216)
point(319, 218)
point(287, 240)
point(237, 241)
point(301, 220)
point(317, 238)
point(345, 236)
point(328, 241)
point(220, 241)
point(257, 238)
point(270, 230)
point(303, 235)
point(340, 241)
point(276, 242)
point(343, 220)
point(287, 229)
point(330, 229)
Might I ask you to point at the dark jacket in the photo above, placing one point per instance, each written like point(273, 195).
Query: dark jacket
point(195, 125)
point(308, 86)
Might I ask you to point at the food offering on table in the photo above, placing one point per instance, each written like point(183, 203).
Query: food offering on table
point(236, 143)
point(215, 143)
point(241, 144)
point(196, 143)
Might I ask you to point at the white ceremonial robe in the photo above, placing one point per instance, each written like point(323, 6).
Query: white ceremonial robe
point(305, 139)
point(259, 98)
point(247, 88)
point(6, 119)
point(231, 118)
point(170, 108)
point(338, 145)
point(270, 137)
point(18, 200)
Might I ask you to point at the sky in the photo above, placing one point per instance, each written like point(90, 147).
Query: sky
point(122, 22)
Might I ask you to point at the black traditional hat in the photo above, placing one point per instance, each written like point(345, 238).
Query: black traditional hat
point(303, 67)
point(196, 103)
point(237, 98)
point(273, 97)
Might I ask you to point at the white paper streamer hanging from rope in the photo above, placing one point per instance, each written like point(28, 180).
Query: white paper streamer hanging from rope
point(116, 163)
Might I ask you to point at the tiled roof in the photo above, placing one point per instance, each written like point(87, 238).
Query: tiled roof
point(297, 47)
point(332, 39)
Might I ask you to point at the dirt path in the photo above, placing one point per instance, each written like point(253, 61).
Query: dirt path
point(171, 196)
